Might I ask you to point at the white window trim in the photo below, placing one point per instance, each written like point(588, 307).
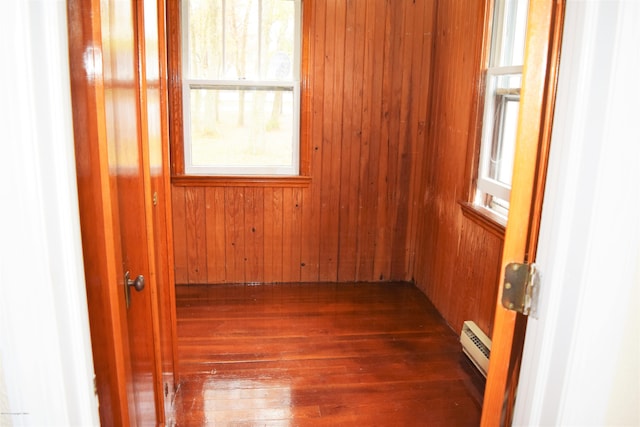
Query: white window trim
point(293, 85)
point(486, 185)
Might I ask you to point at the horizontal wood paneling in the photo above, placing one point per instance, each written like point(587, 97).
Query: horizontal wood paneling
point(456, 260)
point(365, 99)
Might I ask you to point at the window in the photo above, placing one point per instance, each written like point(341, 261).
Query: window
point(241, 86)
point(501, 105)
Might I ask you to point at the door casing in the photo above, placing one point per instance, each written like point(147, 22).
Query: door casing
point(542, 54)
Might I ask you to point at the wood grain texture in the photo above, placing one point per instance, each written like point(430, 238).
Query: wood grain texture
point(388, 114)
point(119, 140)
point(542, 56)
point(158, 126)
point(364, 103)
point(456, 260)
point(99, 240)
point(320, 354)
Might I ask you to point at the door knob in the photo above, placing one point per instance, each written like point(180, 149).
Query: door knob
point(137, 284)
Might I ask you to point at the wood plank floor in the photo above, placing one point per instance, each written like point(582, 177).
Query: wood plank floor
point(319, 355)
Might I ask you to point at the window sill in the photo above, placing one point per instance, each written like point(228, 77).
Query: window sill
point(484, 218)
point(241, 181)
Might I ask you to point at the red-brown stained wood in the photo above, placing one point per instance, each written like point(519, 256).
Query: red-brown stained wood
point(155, 48)
point(196, 234)
point(364, 100)
point(352, 131)
point(269, 236)
point(296, 230)
point(254, 235)
point(457, 260)
point(413, 18)
point(386, 154)
point(287, 235)
point(328, 212)
point(387, 118)
point(234, 236)
point(215, 224)
point(312, 196)
point(365, 207)
point(320, 354)
point(179, 235)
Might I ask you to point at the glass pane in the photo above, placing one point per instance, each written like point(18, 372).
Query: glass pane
point(241, 39)
point(249, 127)
point(204, 39)
point(508, 33)
point(502, 102)
point(504, 143)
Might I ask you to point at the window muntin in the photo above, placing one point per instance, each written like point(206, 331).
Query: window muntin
point(241, 86)
point(503, 79)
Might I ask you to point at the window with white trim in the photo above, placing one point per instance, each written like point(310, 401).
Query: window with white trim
point(503, 80)
point(241, 86)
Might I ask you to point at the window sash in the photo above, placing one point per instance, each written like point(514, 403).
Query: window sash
point(189, 84)
point(493, 127)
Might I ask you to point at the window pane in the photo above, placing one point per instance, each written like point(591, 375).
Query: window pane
point(504, 142)
point(241, 39)
point(241, 127)
point(508, 33)
point(502, 101)
point(204, 39)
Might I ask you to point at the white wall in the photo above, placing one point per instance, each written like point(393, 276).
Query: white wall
point(582, 356)
point(46, 371)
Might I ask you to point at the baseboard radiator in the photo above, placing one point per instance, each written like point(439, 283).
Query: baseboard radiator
point(476, 345)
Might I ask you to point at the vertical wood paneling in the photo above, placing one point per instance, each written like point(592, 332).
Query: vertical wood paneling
point(196, 235)
point(269, 236)
point(456, 260)
point(418, 189)
point(329, 217)
point(311, 252)
point(287, 235)
point(277, 242)
point(365, 111)
point(296, 230)
point(413, 20)
point(234, 235)
point(254, 235)
point(215, 226)
point(291, 235)
point(179, 235)
point(477, 248)
point(366, 206)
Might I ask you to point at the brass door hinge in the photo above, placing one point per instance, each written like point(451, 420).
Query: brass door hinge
point(520, 288)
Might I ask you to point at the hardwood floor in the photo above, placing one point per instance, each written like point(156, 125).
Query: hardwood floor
point(320, 354)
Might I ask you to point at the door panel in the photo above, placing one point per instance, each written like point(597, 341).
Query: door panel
point(153, 59)
point(112, 158)
point(126, 128)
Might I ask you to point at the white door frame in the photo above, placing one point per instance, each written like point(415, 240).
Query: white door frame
point(46, 364)
point(582, 355)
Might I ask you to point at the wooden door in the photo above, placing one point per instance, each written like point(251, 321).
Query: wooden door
point(534, 134)
point(112, 160)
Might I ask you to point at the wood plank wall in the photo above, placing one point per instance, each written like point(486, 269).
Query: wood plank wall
point(367, 96)
point(391, 109)
point(457, 260)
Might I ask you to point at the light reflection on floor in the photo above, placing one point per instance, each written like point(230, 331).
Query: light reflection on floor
point(246, 401)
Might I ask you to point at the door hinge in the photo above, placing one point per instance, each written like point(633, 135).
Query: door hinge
point(520, 288)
